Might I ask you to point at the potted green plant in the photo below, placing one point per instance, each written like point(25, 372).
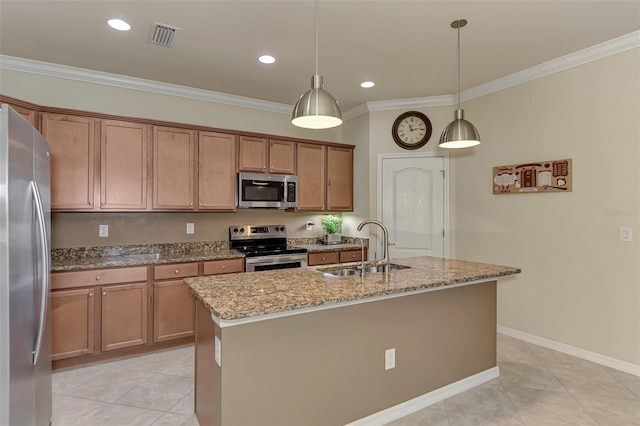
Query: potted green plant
point(331, 225)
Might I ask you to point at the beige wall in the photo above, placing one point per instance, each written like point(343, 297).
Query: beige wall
point(579, 284)
point(356, 131)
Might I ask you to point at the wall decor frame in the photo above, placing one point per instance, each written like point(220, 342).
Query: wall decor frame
point(538, 177)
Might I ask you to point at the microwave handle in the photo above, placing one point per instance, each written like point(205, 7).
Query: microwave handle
point(253, 182)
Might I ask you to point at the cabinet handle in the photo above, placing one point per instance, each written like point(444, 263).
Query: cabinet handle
point(190, 204)
point(324, 258)
point(177, 271)
point(353, 256)
point(90, 203)
point(98, 278)
point(102, 203)
point(104, 293)
point(200, 204)
point(224, 266)
point(90, 294)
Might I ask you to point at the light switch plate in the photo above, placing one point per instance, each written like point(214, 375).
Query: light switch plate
point(190, 228)
point(626, 234)
point(390, 359)
point(103, 231)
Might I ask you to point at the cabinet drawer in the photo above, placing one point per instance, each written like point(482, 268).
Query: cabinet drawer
point(224, 266)
point(61, 280)
point(323, 258)
point(351, 256)
point(176, 270)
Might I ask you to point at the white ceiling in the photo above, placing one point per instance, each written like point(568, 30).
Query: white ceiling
point(407, 47)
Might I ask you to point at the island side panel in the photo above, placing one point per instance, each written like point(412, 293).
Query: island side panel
point(207, 373)
point(327, 367)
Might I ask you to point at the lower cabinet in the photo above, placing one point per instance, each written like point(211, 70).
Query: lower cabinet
point(330, 257)
point(73, 322)
point(173, 302)
point(124, 316)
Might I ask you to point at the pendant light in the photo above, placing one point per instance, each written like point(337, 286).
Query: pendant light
point(459, 133)
point(316, 109)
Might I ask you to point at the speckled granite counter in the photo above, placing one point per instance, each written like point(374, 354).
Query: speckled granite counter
point(70, 259)
point(238, 296)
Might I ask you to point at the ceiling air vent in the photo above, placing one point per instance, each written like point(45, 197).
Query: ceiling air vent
point(162, 34)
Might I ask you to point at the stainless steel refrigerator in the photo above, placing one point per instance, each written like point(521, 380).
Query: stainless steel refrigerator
point(25, 344)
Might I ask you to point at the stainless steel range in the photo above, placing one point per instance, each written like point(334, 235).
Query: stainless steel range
point(265, 247)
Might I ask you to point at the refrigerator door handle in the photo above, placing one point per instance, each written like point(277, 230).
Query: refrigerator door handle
point(44, 248)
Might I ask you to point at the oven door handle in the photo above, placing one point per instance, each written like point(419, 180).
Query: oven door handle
point(274, 260)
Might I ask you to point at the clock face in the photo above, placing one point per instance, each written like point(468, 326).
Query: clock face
point(411, 130)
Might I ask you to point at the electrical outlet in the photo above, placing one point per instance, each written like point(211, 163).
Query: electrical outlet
point(218, 351)
point(390, 359)
point(103, 230)
point(625, 234)
point(309, 225)
point(190, 228)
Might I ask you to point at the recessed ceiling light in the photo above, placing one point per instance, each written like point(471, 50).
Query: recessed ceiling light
point(367, 84)
point(267, 59)
point(118, 24)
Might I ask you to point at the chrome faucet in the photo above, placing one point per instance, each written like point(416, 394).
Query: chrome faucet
point(361, 254)
point(385, 261)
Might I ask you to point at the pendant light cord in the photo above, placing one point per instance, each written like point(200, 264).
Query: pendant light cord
point(316, 38)
point(458, 64)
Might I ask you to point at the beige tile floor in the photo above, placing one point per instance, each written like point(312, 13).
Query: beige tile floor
point(537, 386)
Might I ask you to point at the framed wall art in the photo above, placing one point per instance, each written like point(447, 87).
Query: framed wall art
point(528, 178)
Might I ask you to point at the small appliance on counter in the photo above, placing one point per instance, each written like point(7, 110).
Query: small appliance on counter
point(265, 247)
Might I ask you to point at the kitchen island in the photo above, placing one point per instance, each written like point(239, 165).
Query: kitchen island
point(299, 346)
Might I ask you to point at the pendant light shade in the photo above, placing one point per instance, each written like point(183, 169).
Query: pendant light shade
point(459, 133)
point(316, 108)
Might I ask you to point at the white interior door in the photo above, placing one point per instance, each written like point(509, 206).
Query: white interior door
point(413, 203)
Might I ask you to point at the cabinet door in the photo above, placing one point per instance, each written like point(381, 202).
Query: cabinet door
point(216, 171)
point(173, 310)
point(352, 255)
point(124, 316)
point(282, 157)
point(173, 168)
point(224, 266)
point(123, 161)
point(253, 154)
point(72, 323)
point(312, 175)
point(323, 258)
point(72, 143)
point(340, 179)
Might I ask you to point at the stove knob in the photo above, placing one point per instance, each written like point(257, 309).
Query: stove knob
point(241, 230)
point(235, 230)
point(282, 228)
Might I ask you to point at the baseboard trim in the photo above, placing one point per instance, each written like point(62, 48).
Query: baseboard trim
point(607, 361)
point(430, 398)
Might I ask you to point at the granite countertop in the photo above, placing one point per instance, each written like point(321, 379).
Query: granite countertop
point(237, 296)
point(138, 255)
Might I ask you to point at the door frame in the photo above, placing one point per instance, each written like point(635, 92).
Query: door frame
point(411, 155)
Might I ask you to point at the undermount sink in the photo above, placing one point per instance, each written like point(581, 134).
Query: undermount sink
point(357, 271)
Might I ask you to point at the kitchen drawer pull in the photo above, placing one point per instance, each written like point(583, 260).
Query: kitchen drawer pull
point(104, 293)
point(353, 256)
point(90, 203)
point(224, 266)
point(97, 277)
point(324, 258)
point(177, 271)
point(90, 294)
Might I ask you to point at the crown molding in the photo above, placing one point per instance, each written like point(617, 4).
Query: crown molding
point(13, 63)
point(594, 53)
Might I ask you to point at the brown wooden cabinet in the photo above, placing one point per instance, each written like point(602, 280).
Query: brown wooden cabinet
point(282, 157)
point(123, 165)
point(173, 170)
point(124, 316)
point(73, 323)
point(253, 154)
point(72, 143)
point(339, 179)
point(173, 302)
point(30, 115)
point(330, 257)
point(223, 266)
point(312, 177)
point(95, 311)
point(216, 171)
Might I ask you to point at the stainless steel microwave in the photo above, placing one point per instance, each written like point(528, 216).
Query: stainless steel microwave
point(269, 191)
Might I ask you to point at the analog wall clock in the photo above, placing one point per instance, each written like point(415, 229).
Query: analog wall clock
point(411, 130)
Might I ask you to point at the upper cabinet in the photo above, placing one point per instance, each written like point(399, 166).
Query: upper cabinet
point(30, 115)
point(339, 179)
point(282, 157)
point(253, 154)
point(216, 171)
point(123, 165)
point(325, 178)
point(173, 168)
point(72, 143)
point(266, 155)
